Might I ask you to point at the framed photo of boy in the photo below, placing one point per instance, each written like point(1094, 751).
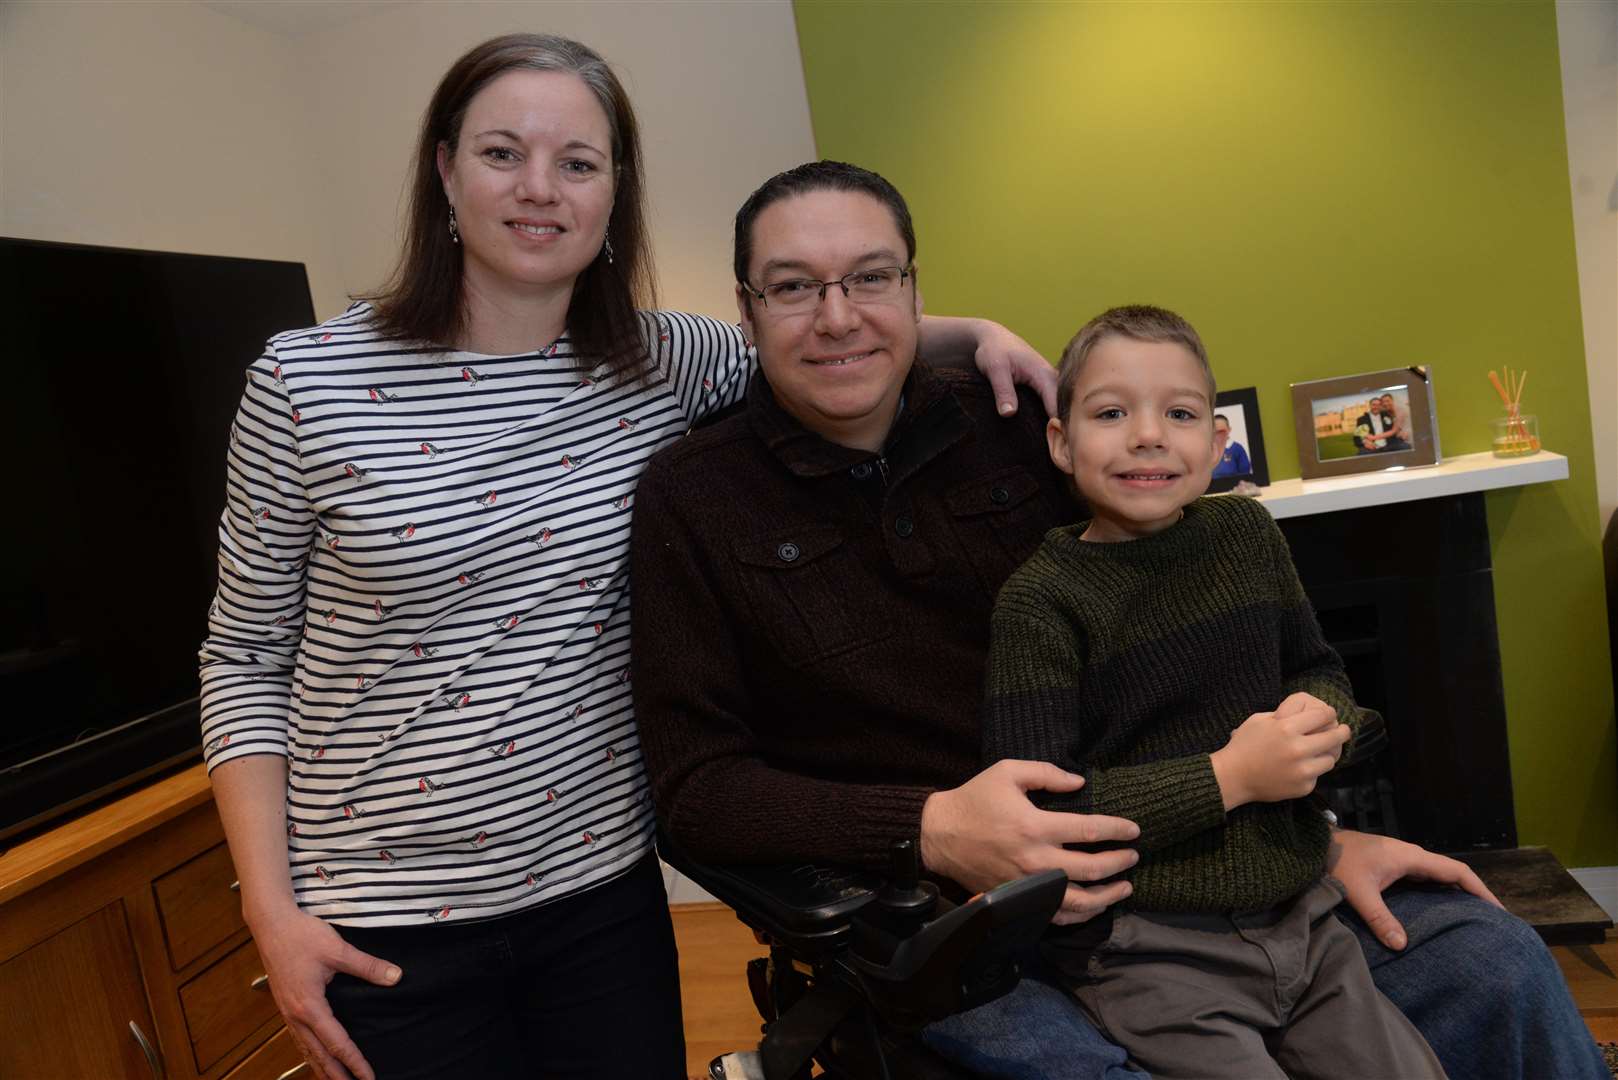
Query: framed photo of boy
point(1365, 423)
point(1241, 440)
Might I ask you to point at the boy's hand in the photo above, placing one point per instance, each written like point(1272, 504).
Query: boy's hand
point(1299, 700)
point(1279, 755)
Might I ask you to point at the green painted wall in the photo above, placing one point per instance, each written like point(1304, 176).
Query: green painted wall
point(1323, 189)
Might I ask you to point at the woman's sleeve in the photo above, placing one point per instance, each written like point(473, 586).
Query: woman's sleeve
point(707, 362)
point(257, 617)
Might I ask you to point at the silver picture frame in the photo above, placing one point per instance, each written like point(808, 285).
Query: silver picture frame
point(1374, 422)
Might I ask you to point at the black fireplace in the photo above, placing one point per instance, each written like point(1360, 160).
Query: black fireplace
point(1405, 593)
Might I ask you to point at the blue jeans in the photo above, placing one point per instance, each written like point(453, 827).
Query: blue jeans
point(1036, 1032)
point(1482, 988)
point(1478, 983)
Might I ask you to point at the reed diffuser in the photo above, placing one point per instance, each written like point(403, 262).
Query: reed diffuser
point(1516, 434)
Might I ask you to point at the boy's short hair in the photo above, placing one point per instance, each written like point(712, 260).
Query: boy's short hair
point(1139, 322)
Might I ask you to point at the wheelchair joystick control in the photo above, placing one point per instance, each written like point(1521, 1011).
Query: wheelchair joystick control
point(903, 905)
point(906, 896)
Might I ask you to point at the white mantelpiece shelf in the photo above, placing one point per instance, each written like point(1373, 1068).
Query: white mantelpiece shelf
point(1454, 476)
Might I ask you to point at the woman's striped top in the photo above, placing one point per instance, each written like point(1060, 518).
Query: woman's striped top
point(423, 604)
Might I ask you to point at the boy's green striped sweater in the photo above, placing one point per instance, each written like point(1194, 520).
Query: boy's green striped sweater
point(1132, 662)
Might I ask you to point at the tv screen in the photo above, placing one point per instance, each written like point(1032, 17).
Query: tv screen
point(124, 371)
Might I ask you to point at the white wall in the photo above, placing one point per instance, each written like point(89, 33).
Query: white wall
point(153, 125)
point(718, 88)
point(284, 131)
point(1588, 35)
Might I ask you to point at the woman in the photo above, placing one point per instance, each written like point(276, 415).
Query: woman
point(415, 702)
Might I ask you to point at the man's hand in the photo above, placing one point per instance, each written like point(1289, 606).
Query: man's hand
point(301, 954)
point(1368, 864)
point(1006, 359)
point(986, 832)
point(1274, 756)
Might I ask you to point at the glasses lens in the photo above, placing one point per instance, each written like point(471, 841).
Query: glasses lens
point(876, 284)
point(800, 292)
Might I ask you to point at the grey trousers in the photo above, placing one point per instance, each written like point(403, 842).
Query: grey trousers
point(1282, 993)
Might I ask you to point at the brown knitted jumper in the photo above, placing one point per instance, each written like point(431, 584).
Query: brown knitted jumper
point(1132, 662)
point(811, 621)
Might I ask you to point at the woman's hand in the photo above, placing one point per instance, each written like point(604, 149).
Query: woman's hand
point(1006, 360)
point(301, 954)
point(1002, 357)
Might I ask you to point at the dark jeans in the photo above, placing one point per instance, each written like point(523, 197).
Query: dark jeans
point(583, 987)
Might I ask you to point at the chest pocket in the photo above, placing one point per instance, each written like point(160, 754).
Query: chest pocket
point(814, 597)
point(999, 518)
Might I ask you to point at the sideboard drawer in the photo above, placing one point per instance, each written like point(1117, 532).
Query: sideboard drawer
point(198, 905)
point(226, 1004)
point(277, 1059)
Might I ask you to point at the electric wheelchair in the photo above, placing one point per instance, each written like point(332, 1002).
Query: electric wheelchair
point(860, 962)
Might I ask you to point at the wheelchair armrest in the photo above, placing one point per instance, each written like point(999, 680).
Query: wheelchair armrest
point(804, 906)
point(961, 958)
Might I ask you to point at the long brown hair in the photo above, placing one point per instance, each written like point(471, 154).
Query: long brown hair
point(424, 298)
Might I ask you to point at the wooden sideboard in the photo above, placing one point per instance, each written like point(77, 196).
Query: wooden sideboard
point(123, 951)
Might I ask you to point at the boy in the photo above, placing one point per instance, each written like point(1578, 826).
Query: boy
point(1165, 650)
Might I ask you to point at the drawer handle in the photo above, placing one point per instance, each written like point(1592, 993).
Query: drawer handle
point(152, 1061)
point(296, 1070)
point(260, 983)
point(236, 886)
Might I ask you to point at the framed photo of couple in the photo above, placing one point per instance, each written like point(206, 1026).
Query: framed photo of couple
point(1365, 423)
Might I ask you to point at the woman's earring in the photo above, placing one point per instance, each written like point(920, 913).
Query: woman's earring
point(607, 249)
point(454, 229)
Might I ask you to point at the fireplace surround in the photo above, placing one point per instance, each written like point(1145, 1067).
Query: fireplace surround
point(1398, 568)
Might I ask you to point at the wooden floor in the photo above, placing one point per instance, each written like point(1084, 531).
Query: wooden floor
point(1592, 975)
point(719, 1014)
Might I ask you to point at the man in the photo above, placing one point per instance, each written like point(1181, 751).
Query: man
point(813, 582)
point(1232, 460)
point(1371, 428)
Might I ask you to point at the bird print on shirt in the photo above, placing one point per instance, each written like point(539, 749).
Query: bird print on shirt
point(464, 520)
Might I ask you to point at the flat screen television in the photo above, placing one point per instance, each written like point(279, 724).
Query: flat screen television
point(123, 370)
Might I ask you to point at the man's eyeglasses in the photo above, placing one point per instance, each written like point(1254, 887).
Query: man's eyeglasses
point(872, 286)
